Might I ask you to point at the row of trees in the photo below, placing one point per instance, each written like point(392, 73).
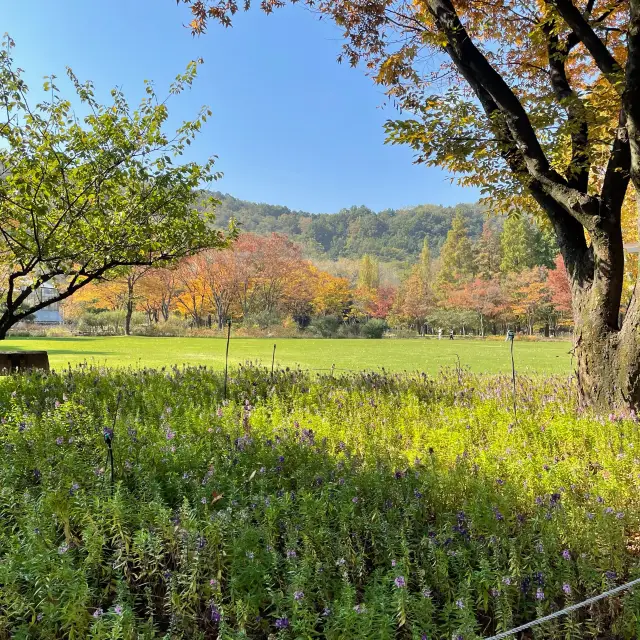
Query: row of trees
point(520, 299)
point(258, 276)
point(508, 275)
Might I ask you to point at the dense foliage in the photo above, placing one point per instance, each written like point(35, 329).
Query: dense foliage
point(81, 198)
point(265, 282)
point(355, 231)
point(358, 507)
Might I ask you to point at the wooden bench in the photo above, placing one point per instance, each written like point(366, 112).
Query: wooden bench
point(13, 361)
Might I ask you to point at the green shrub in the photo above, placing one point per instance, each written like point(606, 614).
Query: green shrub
point(375, 328)
point(174, 326)
point(262, 320)
point(325, 326)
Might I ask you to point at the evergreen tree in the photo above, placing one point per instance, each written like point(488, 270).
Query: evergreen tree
point(488, 251)
point(518, 247)
point(415, 297)
point(547, 248)
point(456, 258)
point(369, 273)
point(525, 246)
point(424, 262)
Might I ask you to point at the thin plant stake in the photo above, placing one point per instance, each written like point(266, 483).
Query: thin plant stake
point(510, 338)
point(273, 360)
point(226, 359)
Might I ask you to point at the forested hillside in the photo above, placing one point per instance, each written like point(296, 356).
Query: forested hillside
point(393, 234)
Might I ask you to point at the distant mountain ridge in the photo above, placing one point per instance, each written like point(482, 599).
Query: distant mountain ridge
point(392, 234)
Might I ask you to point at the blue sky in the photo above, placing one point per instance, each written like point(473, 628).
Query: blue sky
point(290, 126)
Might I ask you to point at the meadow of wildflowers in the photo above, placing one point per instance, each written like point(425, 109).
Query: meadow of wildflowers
point(305, 506)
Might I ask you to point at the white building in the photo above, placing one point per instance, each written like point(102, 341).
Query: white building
point(50, 314)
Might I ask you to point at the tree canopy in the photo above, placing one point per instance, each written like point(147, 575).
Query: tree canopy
point(82, 198)
point(392, 234)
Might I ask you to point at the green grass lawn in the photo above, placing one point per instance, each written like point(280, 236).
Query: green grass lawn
point(483, 356)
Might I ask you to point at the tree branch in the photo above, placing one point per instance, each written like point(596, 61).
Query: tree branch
point(617, 174)
point(585, 33)
point(577, 173)
point(483, 78)
point(630, 99)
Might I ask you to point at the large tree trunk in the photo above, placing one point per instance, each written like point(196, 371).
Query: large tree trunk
point(607, 354)
point(607, 367)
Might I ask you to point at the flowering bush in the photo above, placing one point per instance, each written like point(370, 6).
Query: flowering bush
point(374, 505)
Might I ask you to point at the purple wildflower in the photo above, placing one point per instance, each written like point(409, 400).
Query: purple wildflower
point(298, 595)
point(98, 613)
point(566, 587)
point(118, 610)
point(282, 623)
point(566, 554)
point(400, 582)
point(59, 440)
point(539, 594)
point(291, 554)
point(426, 593)
point(460, 604)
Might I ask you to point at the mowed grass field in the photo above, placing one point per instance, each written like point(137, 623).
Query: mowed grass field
point(429, 355)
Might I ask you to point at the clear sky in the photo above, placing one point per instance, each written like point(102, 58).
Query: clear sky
point(290, 125)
